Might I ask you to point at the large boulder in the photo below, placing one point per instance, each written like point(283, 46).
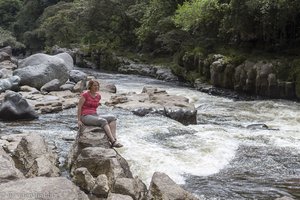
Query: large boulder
point(163, 187)
point(33, 157)
point(93, 164)
point(39, 69)
point(67, 59)
point(58, 188)
point(131, 187)
point(40, 58)
point(99, 161)
point(15, 107)
point(89, 136)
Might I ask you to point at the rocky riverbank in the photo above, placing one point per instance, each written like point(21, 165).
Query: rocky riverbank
point(44, 83)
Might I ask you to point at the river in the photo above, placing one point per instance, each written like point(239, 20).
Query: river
point(218, 158)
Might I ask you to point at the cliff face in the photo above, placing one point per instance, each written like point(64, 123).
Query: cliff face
point(252, 77)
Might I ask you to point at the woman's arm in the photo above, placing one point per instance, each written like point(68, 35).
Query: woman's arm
point(80, 103)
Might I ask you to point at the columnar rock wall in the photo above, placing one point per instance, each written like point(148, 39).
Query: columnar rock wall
point(251, 77)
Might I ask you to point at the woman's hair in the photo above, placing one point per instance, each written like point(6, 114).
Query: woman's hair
point(92, 82)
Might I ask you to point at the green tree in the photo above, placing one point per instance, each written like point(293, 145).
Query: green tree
point(60, 24)
point(27, 19)
point(201, 17)
point(8, 12)
point(156, 25)
point(267, 22)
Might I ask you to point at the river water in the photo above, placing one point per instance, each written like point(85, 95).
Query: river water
point(219, 158)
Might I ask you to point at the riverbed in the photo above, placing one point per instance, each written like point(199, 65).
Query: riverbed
point(218, 158)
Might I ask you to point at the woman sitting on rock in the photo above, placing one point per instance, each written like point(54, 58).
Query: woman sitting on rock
point(87, 113)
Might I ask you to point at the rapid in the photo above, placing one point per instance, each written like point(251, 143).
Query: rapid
point(218, 158)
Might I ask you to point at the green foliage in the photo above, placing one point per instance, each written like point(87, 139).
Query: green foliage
point(101, 55)
point(8, 12)
point(203, 16)
point(151, 22)
point(34, 40)
point(270, 22)
point(86, 22)
point(59, 24)
point(109, 20)
point(7, 39)
point(179, 71)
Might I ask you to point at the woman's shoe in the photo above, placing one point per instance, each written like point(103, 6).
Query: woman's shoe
point(116, 144)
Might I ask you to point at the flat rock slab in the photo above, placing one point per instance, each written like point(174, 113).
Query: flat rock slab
point(58, 188)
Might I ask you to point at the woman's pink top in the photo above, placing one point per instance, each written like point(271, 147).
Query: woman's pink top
point(90, 104)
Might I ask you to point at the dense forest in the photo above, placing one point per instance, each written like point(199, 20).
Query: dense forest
point(166, 31)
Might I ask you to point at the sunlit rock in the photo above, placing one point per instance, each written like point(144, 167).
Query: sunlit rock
point(163, 187)
point(83, 178)
point(58, 188)
point(99, 160)
point(8, 171)
point(131, 187)
point(33, 157)
point(52, 85)
point(156, 101)
point(101, 187)
point(39, 69)
point(91, 151)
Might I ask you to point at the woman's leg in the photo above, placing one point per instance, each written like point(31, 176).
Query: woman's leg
point(113, 127)
point(111, 120)
point(109, 134)
point(95, 120)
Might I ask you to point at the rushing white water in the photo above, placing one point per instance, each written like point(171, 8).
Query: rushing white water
point(155, 143)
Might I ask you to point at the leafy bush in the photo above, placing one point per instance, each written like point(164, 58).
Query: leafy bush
point(202, 16)
point(7, 39)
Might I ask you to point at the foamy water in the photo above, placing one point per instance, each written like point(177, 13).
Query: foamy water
point(155, 143)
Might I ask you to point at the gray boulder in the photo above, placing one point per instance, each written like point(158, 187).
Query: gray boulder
point(33, 157)
point(53, 85)
point(163, 187)
point(9, 83)
point(39, 69)
point(15, 107)
point(40, 58)
point(131, 187)
point(67, 59)
point(77, 75)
